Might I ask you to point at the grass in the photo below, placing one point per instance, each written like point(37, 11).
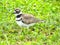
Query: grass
point(47, 33)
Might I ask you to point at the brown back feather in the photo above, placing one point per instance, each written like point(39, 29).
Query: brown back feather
point(28, 18)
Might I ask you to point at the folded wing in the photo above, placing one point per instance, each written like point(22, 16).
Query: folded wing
point(27, 19)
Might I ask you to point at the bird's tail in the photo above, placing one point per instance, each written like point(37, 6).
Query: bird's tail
point(40, 21)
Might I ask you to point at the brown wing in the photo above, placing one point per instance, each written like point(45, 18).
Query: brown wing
point(27, 18)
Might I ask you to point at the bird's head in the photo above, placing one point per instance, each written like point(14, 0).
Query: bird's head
point(17, 11)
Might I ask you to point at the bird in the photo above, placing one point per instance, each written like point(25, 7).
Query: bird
point(25, 20)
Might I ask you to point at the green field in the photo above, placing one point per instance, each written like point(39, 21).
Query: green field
point(47, 33)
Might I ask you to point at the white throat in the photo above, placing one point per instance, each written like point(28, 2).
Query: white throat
point(18, 14)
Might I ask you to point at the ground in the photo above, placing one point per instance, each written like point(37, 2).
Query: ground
point(47, 33)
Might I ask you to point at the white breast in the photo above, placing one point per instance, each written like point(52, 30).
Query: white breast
point(20, 23)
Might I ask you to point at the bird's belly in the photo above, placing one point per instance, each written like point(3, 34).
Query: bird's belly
point(20, 23)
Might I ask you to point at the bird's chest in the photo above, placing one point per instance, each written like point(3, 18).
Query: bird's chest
point(20, 23)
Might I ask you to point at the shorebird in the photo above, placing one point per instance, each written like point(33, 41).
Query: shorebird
point(25, 20)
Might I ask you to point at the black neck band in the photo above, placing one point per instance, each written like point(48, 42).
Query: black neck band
point(18, 16)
